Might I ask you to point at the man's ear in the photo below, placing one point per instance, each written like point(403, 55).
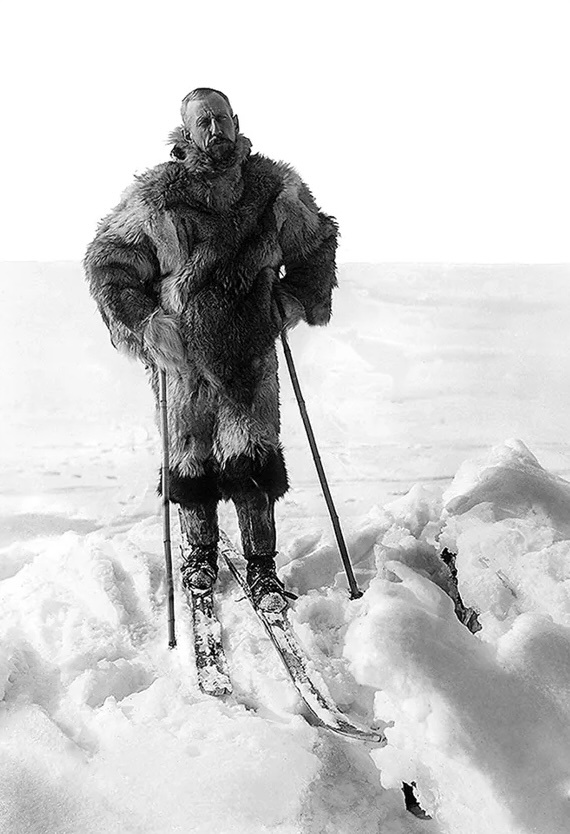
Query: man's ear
point(236, 123)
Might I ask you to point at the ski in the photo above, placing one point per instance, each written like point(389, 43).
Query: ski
point(324, 712)
point(211, 663)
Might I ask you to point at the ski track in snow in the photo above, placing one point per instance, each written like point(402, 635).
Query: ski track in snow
point(105, 730)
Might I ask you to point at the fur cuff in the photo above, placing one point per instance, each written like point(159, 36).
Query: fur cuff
point(162, 341)
point(319, 314)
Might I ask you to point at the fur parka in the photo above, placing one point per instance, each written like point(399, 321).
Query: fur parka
point(185, 271)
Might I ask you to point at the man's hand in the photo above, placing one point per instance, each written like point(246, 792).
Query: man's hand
point(162, 341)
point(288, 310)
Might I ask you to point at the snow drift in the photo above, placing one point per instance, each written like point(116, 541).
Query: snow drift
point(481, 723)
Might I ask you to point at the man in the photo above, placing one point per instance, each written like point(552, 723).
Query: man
point(186, 271)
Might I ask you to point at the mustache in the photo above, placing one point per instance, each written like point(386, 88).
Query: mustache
point(221, 149)
point(220, 140)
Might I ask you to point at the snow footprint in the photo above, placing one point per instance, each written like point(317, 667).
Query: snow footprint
point(110, 678)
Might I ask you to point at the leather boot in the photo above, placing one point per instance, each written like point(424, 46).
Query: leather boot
point(199, 529)
point(255, 512)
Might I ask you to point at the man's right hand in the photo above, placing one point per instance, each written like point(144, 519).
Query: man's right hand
point(288, 311)
point(162, 341)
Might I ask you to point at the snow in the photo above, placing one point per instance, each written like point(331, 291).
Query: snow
point(416, 392)
point(484, 736)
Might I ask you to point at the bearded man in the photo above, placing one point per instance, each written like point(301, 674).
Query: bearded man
point(186, 271)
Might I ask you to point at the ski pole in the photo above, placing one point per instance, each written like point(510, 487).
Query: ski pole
point(166, 511)
point(355, 592)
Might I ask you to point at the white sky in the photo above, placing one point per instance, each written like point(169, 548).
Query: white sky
point(434, 130)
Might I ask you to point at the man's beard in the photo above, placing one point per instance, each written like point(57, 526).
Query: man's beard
point(221, 152)
point(224, 158)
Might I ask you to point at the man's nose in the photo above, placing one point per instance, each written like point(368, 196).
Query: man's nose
point(215, 128)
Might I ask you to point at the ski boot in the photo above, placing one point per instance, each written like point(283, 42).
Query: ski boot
point(255, 512)
point(267, 590)
point(200, 569)
point(199, 529)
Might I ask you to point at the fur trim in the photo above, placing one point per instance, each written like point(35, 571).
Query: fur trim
point(188, 491)
point(239, 476)
point(242, 474)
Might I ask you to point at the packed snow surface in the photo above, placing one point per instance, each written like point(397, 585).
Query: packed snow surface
point(414, 391)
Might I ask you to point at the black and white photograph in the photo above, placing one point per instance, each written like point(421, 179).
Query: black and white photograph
point(285, 417)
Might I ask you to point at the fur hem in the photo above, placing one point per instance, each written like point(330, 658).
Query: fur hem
point(239, 476)
point(242, 474)
point(189, 491)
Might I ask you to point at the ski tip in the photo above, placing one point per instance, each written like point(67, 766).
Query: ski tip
point(358, 734)
point(375, 738)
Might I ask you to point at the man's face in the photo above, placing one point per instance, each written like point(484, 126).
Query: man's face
point(212, 125)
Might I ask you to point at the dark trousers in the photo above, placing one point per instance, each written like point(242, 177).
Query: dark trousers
point(256, 519)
